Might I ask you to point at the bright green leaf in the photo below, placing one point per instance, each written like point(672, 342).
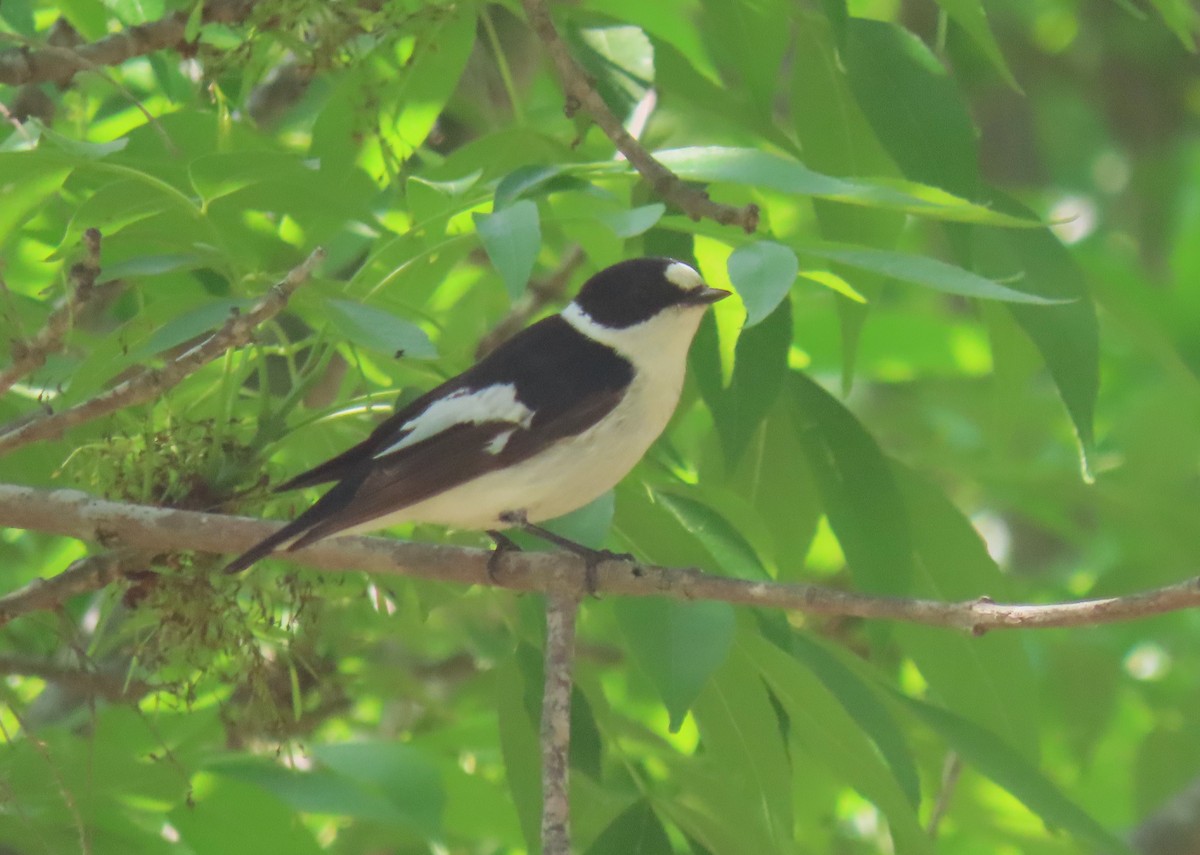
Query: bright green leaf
point(376, 329)
point(981, 749)
point(677, 644)
point(763, 273)
point(928, 272)
point(635, 221)
point(512, 237)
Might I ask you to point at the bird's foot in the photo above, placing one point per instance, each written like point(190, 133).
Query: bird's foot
point(504, 544)
point(592, 558)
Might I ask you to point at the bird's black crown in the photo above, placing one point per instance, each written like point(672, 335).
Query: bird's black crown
point(630, 292)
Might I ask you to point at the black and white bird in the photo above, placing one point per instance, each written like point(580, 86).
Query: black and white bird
point(542, 425)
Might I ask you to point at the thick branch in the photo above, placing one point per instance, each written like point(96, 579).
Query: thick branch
point(28, 356)
point(154, 382)
point(582, 95)
point(556, 723)
point(60, 64)
point(76, 514)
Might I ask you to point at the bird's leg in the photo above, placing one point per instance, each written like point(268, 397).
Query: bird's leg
point(591, 557)
point(504, 544)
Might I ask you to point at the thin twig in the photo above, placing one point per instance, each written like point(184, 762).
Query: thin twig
point(561, 609)
point(108, 685)
point(68, 797)
point(951, 770)
point(58, 64)
point(86, 574)
point(540, 294)
point(152, 383)
point(581, 94)
point(29, 356)
point(76, 514)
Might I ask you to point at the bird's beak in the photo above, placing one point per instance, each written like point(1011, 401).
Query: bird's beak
point(704, 296)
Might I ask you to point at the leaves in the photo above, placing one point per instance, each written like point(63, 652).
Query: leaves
point(379, 330)
point(512, 237)
point(677, 645)
point(761, 169)
point(928, 272)
point(763, 273)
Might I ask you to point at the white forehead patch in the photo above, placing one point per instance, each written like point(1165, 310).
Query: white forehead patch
point(682, 276)
point(496, 403)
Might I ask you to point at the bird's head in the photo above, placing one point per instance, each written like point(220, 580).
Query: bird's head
point(632, 292)
point(647, 309)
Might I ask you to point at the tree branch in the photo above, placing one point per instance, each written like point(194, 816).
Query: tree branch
point(112, 686)
point(561, 610)
point(76, 514)
point(152, 383)
point(30, 355)
point(59, 64)
point(581, 94)
point(86, 574)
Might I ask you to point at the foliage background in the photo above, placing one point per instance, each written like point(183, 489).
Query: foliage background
point(861, 424)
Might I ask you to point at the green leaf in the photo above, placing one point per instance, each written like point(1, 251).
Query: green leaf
point(523, 181)
point(115, 206)
point(222, 173)
point(981, 749)
point(913, 105)
point(760, 364)
point(1182, 18)
point(376, 329)
point(678, 645)
point(970, 15)
point(403, 774)
point(512, 237)
point(774, 477)
point(231, 816)
point(863, 701)
point(322, 791)
point(188, 325)
point(732, 552)
point(743, 742)
point(763, 273)
point(825, 731)
point(406, 91)
point(748, 42)
point(80, 150)
point(928, 272)
point(519, 748)
point(902, 539)
point(989, 679)
point(1067, 335)
point(27, 180)
point(637, 831)
point(861, 499)
point(635, 221)
point(761, 169)
point(618, 59)
point(837, 139)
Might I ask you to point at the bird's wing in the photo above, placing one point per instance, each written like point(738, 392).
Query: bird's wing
point(336, 468)
point(392, 482)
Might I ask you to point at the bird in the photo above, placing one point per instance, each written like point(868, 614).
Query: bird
point(546, 422)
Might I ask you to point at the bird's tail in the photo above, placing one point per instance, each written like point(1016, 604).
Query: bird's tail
point(266, 546)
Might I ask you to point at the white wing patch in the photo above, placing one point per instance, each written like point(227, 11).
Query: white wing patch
point(499, 441)
point(466, 406)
